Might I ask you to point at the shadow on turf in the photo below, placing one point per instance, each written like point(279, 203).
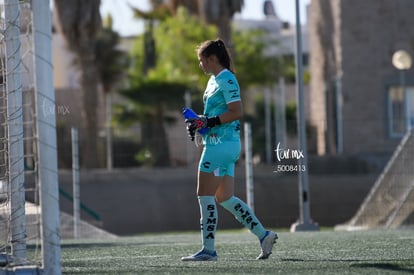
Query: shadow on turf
point(86, 245)
point(91, 245)
point(385, 266)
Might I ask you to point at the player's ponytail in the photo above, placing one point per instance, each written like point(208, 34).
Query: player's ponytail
point(217, 48)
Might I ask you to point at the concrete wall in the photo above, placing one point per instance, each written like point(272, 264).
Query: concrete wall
point(132, 201)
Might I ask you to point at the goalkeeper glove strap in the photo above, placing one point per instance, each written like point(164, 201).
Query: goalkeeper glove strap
point(213, 121)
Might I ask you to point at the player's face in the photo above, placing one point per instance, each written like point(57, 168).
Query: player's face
point(204, 64)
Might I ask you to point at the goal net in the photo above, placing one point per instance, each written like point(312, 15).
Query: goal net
point(390, 203)
point(29, 209)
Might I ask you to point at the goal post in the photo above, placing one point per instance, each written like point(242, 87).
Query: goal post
point(47, 175)
point(29, 194)
point(15, 131)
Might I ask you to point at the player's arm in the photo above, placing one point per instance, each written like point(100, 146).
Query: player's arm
point(234, 112)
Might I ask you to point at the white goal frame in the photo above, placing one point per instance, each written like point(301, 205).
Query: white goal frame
point(44, 124)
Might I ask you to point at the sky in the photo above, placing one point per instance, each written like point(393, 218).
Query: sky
point(126, 25)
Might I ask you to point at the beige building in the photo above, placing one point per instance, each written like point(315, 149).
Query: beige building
point(358, 103)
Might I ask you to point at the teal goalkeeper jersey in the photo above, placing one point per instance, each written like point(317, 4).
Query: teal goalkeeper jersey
point(220, 91)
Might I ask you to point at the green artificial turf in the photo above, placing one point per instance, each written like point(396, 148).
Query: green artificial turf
point(325, 252)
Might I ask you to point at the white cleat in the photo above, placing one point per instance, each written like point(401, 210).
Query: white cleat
point(201, 255)
point(267, 245)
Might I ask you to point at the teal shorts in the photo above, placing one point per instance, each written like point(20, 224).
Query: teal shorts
point(220, 158)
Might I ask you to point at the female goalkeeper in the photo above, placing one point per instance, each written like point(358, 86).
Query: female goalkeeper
point(222, 111)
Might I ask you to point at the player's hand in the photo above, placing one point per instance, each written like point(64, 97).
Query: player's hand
point(197, 123)
point(191, 131)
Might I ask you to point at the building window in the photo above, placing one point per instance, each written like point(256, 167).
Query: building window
point(399, 118)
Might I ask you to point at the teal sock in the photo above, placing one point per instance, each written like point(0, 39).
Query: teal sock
point(244, 215)
point(208, 221)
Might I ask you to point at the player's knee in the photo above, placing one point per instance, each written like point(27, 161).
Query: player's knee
point(222, 197)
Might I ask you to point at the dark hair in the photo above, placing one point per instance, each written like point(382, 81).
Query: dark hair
point(217, 48)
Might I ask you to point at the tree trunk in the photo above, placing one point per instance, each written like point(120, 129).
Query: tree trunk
point(79, 22)
point(89, 86)
point(159, 142)
point(108, 129)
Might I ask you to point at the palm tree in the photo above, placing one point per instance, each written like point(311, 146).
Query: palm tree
point(217, 12)
point(220, 13)
point(159, 12)
point(154, 90)
point(151, 100)
point(151, 112)
point(80, 21)
point(111, 63)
